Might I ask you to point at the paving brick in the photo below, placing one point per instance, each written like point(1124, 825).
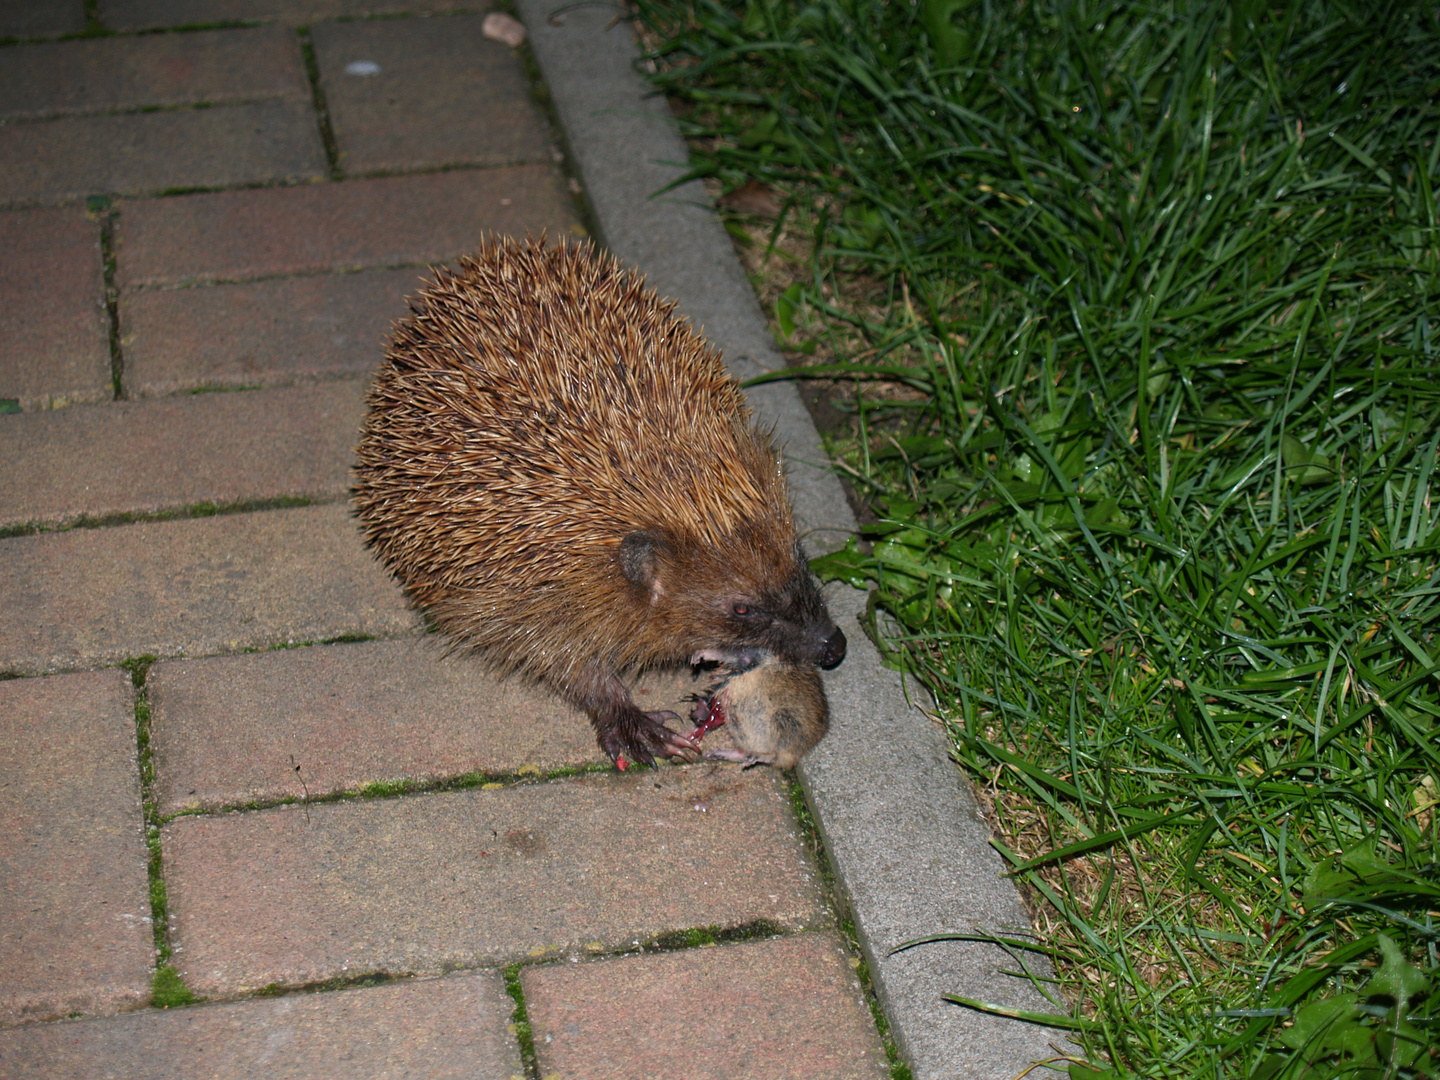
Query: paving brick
point(187, 588)
point(432, 92)
point(418, 884)
point(54, 332)
point(41, 18)
point(393, 221)
point(783, 1009)
point(75, 907)
point(261, 333)
point(210, 67)
point(442, 1029)
point(147, 456)
point(143, 153)
point(231, 730)
point(147, 14)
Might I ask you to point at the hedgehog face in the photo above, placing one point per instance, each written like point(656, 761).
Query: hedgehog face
point(789, 620)
point(726, 614)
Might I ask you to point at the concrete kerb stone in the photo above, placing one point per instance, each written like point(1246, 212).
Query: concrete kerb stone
point(902, 829)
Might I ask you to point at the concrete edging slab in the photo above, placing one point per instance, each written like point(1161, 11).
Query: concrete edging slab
point(907, 841)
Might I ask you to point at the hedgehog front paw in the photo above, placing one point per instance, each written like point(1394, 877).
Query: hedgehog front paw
point(641, 737)
point(666, 741)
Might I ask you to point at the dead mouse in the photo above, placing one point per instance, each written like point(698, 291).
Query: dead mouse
point(776, 711)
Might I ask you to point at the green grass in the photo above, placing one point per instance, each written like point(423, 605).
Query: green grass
point(1139, 303)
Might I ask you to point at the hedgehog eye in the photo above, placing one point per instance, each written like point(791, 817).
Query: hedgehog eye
point(742, 609)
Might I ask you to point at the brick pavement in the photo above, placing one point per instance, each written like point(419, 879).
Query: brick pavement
point(175, 216)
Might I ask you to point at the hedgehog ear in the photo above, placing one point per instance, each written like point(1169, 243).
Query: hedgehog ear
point(640, 556)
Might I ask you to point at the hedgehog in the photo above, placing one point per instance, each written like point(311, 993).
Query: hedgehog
point(776, 711)
point(565, 481)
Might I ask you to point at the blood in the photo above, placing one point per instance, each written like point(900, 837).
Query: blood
point(714, 718)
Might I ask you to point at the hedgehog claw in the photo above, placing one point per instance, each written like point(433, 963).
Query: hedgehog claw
point(672, 743)
point(625, 754)
point(641, 737)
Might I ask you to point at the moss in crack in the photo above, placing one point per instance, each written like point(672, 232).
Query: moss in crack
point(325, 986)
point(132, 517)
point(322, 110)
point(520, 1022)
point(100, 208)
point(167, 988)
point(899, 1070)
point(393, 789)
point(168, 991)
point(93, 26)
point(699, 937)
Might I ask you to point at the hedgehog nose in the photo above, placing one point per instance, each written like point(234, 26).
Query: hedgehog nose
point(833, 651)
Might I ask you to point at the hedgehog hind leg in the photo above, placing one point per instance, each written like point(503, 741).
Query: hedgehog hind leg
point(624, 730)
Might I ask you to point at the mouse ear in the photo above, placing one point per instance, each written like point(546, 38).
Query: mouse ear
point(641, 554)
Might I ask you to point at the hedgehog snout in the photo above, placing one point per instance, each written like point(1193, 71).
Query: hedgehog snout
point(832, 651)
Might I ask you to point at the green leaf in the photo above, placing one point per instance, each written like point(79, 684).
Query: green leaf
point(949, 36)
point(1315, 1021)
point(786, 305)
point(764, 131)
point(1396, 978)
point(1048, 1019)
point(848, 565)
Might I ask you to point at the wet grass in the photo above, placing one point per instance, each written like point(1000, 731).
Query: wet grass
point(1136, 304)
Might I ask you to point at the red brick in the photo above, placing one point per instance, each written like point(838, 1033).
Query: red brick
point(54, 333)
point(420, 884)
point(41, 18)
point(190, 588)
point(263, 333)
point(230, 730)
point(146, 456)
point(75, 908)
point(144, 153)
point(395, 221)
point(783, 1009)
point(444, 94)
point(442, 1029)
point(211, 67)
point(147, 14)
